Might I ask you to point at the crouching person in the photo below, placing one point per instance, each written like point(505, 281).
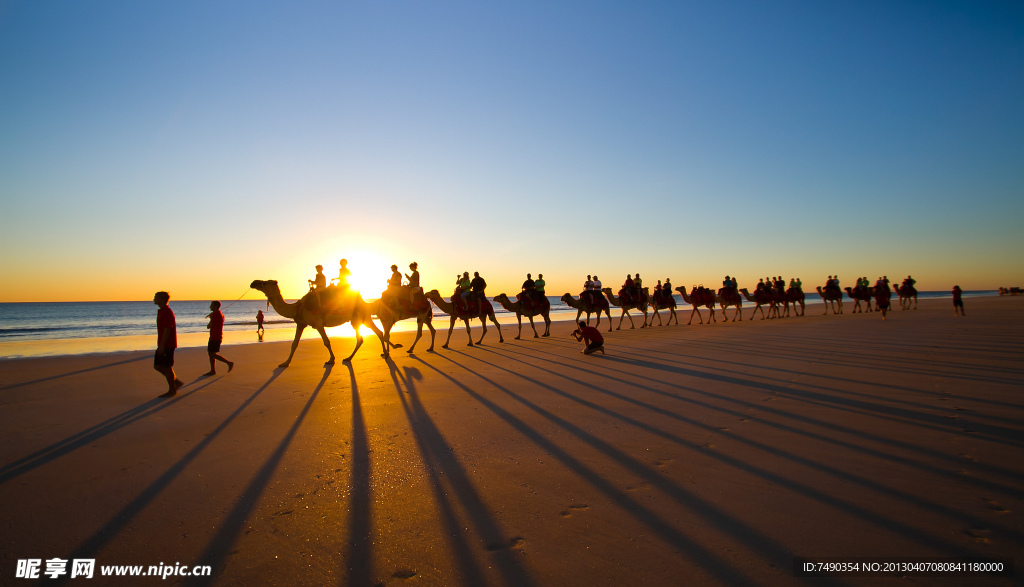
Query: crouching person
point(591, 337)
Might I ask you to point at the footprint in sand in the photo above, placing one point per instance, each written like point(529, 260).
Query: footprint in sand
point(995, 506)
point(403, 574)
point(576, 507)
point(979, 534)
point(968, 457)
point(516, 542)
point(643, 485)
point(661, 464)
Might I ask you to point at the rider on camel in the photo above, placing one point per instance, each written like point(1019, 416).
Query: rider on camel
point(414, 282)
point(477, 285)
point(317, 284)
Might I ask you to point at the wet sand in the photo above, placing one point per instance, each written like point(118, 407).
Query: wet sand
point(700, 454)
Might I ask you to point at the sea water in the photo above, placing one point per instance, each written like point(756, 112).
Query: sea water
point(25, 327)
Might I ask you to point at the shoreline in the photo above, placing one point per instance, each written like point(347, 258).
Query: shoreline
point(56, 347)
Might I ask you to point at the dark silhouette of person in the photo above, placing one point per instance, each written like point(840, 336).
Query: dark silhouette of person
point(259, 323)
point(958, 302)
point(591, 337)
point(216, 327)
point(166, 342)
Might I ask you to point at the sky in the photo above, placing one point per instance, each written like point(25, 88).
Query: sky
point(193, 147)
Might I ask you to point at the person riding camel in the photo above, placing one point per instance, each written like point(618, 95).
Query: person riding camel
point(588, 291)
point(464, 288)
point(344, 275)
point(317, 284)
point(414, 282)
point(393, 292)
point(638, 287)
point(538, 286)
point(529, 290)
point(627, 288)
point(477, 285)
point(666, 290)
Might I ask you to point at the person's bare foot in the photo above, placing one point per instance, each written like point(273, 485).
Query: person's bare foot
point(231, 366)
point(177, 385)
point(210, 373)
point(170, 393)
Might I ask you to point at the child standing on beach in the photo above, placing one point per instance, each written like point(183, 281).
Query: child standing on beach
point(166, 342)
point(216, 327)
point(958, 302)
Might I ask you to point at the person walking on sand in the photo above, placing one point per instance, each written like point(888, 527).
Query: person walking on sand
point(591, 337)
point(216, 327)
point(958, 302)
point(166, 342)
point(259, 323)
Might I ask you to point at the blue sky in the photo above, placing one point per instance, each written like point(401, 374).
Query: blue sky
point(191, 147)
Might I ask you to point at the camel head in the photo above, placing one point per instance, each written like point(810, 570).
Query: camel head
point(568, 298)
point(498, 298)
point(268, 288)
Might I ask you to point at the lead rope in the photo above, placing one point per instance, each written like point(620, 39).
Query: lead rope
point(236, 301)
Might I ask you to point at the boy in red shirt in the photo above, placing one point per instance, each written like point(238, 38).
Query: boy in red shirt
point(166, 342)
point(591, 337)
point(216, 327)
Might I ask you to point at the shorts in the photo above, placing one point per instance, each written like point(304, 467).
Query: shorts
point(594, 347)
point(164, 359)
point(958, 303)
point(213, 346)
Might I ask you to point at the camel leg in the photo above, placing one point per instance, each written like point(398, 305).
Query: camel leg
point(483, 321)
point(712, 319)
point(533, 326)
point(295, 344)
point(625, 313)
point(498, 327)
point(547, 325)
point(327, 343)
point(519, 318)
point(469, 333)
point(451, 326)
point(433, 332)
point(385, 340)
point(419, 333)
point(579, 312)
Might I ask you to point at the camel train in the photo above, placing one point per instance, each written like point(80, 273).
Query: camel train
point(335, 305)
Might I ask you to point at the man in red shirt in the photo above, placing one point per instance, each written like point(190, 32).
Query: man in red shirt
point(166, 342)
point(216, 327)
point(591, 338)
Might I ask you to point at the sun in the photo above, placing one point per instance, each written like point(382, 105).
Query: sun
point(370, 271)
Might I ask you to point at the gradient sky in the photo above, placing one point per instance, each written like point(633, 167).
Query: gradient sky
point(196, 146)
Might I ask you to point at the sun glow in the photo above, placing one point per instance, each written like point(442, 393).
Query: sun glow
point(370, 272)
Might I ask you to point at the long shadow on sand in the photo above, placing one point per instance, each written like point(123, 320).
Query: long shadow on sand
point(69, 374)
point(883, 523)
point(220, 546)
point(443, 465)
point(360, 542)
point(709, 560)
point(89, 435)
point(104, 535)
point(605, 368)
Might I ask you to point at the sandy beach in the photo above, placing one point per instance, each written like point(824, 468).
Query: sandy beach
point(709, 454)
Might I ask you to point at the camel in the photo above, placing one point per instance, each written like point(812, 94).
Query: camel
point(484, 312)
point(830, 297)
point(861, 294)
point(690, 298)
point(726, 299)
point(616, 301)
point(582, 306)
point(669, 303)
point(349, 308)
point(517, 307)
point(795, 295)
point(760, 298)
point(388, 316)
point(906, 293)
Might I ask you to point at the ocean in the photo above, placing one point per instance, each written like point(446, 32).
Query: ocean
point(26, 326)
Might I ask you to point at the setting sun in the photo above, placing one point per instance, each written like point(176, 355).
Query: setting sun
point(370, 272)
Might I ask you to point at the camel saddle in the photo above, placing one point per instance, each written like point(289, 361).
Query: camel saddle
point(665, 299)
point(594, 299)
point(331, 299)
point(730, 296)
point(399, 300)
point(533, 302)
point(468, 308)
point(631, 297)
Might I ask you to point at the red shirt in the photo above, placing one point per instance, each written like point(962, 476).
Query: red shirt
point(217, 325)
point(591, 334)
point(165, 321)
